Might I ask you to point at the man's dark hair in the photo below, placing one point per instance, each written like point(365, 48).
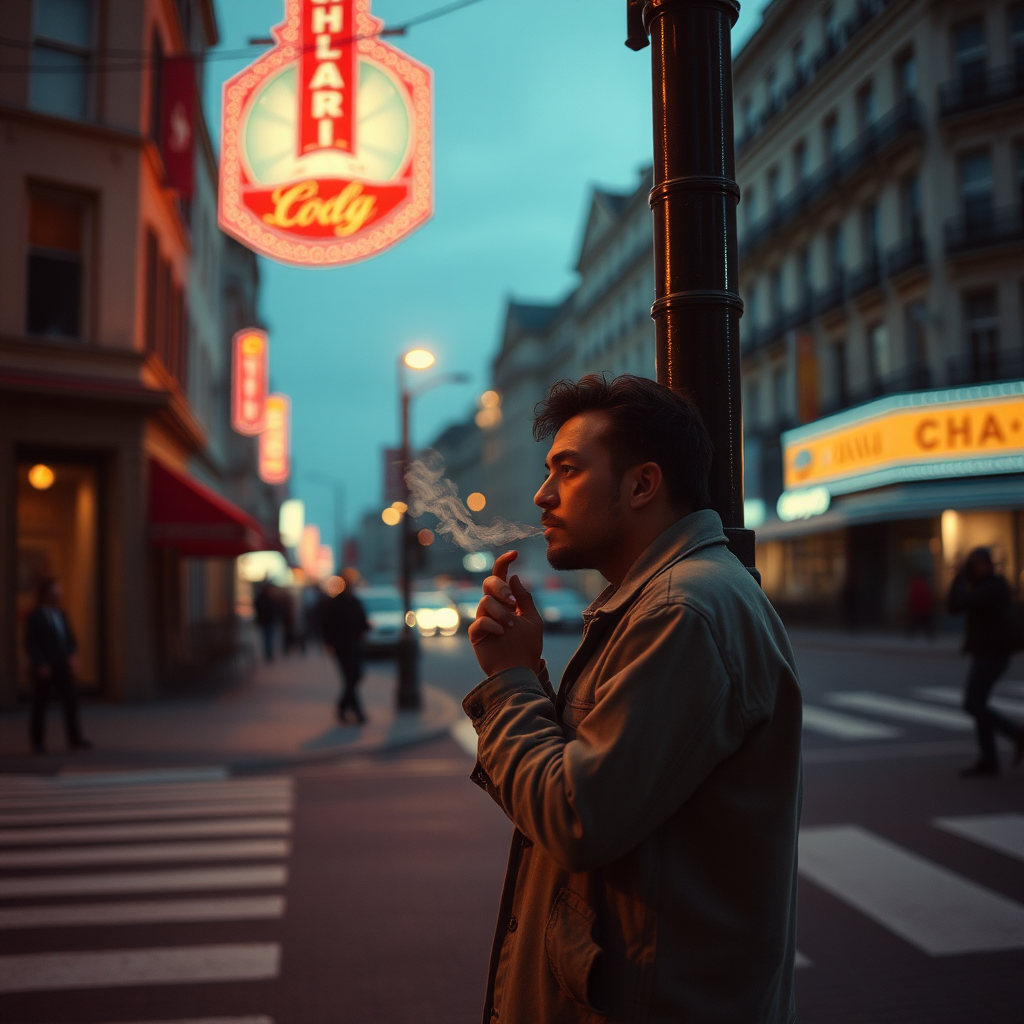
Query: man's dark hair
point(651, 423)
point(44, 589)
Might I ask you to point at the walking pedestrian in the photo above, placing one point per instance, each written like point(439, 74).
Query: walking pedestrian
point(984, 595)
point(344, 622)
point(656, 795)
point(53, 653)
point(268, 611)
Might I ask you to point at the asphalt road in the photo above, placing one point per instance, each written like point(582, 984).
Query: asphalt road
point(366, 891)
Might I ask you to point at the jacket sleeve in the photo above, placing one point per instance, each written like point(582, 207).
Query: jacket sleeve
point(658, 728)
point(33, 642)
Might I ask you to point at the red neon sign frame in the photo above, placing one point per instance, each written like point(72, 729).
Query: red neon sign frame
point(301, 193)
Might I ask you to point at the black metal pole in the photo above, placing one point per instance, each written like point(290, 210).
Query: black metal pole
point(408, 667)
point(697, 307)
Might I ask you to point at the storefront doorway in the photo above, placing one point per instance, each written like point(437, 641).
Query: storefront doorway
point(58, 536)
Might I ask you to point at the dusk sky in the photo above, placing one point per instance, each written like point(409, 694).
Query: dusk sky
point(535, 102)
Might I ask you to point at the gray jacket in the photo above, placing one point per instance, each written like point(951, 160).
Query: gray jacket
point(656, 801)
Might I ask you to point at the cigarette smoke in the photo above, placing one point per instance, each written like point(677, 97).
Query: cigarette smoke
point(430, 491)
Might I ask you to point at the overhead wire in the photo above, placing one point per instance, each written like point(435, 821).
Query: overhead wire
point(139, 60)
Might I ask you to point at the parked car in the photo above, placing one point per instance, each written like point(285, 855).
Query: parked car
point(435, 613)
point(384, 610)
point(561, 608)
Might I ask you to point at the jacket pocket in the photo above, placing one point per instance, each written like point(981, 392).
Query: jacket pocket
point(574, 955)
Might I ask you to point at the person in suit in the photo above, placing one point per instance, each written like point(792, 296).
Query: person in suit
point(344, 622)
point(52, 650)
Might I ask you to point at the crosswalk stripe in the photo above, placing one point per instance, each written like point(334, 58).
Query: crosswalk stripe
point(261, 877)
point(231, 808)
point(464, 735)
point(146, 853)
point(144, 830)
point(208, 1020)
point(47, 972)
point(1001, 832)
point(80, 779)
point(845, 727)
point(929, 906)
point(901, 709)
point(231, 908)
point(952, 696)
point(134, 798)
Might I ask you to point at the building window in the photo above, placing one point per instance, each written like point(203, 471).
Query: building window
point(62, 33)
point(754, 311)
point(871, 222)
point(166, 318)
point(749, 123)
point(830, 28)
point(801, 72)
point(780, 394)
point(1018, 167)
point(771, 85)
point(800, 161)
point(55, 273)
point(774, 191)
point(910, 206)
point(830, 132)
point(775, 291)
point(750, 207)
point(975, 173)
point(917, 343)
point(969, 52)
point(836, 260)
point(803, 273)
point(879, 352)
point(866, 106)
point(753, 402)
point(982, 328)
point(840, 384)
point(1017, 35)
point(906, 76)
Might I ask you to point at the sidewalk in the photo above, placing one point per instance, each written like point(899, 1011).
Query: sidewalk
point(281, 715)
point(875, 641)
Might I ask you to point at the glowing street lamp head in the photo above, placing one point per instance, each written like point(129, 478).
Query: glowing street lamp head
point(418, 359)
point(41, 477)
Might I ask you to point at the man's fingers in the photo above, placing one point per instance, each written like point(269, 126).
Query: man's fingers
point(501, 564)
point(492, 608)
point(524, 599)
point(499, 589)
point(482, 628)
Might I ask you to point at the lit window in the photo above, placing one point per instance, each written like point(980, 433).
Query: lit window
point(61, 50)
point(54, 293)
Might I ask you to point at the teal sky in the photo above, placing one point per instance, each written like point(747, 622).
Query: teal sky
point(535, 102)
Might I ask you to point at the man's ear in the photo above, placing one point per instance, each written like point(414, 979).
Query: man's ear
point(645, 484)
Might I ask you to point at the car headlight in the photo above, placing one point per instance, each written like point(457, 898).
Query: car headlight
point(426, 618)
point(552, 615)
point(446, 618)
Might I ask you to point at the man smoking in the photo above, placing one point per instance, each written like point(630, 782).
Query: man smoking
point(656, 796)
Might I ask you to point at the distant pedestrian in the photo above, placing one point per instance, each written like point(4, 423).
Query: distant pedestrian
point(344, 622)
point(921, 605)
point(268, 612)
point(984, 595)
point(52, 650)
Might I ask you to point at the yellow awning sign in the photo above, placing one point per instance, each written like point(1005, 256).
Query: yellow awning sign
point(926, 435)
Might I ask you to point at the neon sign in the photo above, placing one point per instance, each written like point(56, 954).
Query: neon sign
point(249, 381)
point(326, 140)
point(275, 441)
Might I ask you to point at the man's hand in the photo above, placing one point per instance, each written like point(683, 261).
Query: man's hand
point(508, 631)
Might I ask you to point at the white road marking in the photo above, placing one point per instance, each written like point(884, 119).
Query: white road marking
point(465, 735)
point(1001, 832)
point(929, 906)
point(67, 779)
point(903, 710)
point(146, 853)
point(261, 877)
point(954, 698)
point(51, 801)
point(231, 908)
point(801, 961)
point(846, 727)
point(220, 809)
point(181, 965)
point(207, 1020)
point(157, 830)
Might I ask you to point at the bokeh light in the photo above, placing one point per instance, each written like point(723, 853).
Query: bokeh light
point(425, 537)
point(391, 516)
point(41, 477)
point(476, 502)
point(419, 359)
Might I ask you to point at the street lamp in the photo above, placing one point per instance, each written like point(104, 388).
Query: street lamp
point(408, 668)
point(697, 307)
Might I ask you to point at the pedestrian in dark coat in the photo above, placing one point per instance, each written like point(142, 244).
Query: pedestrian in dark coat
point(53, 651)
point(344, 622)
point(268, 611)
point(984, 595)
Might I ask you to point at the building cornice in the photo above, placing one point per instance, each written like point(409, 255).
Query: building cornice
point(65, 126)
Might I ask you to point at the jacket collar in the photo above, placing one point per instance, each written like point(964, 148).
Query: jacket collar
point(685, 536)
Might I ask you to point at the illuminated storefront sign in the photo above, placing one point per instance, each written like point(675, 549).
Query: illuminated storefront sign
point(275, 441)
point(249, 374)
point(929, 435)
point(326, 140)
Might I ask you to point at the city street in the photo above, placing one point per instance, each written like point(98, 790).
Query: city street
point(364, 890)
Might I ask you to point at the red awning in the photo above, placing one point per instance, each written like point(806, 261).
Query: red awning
point(187, 515)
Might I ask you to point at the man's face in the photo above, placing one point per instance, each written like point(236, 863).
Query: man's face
point(979, 569)
point(581, 501)
point(53, 595)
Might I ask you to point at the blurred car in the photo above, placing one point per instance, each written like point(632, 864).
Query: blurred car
point(561, 608)
point(466, 599)
point(435, 612)
point(384, 611)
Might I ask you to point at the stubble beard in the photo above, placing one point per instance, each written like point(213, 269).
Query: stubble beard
point(569, 556)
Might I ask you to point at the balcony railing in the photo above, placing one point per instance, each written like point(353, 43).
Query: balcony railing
point(832, 297)
point(906, 256)
point(974, 92)
point(903, 120)
point(984, 230)
point(987, 367)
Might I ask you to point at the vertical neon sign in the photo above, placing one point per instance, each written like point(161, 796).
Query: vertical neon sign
point(275, 441)
point(327, 77)
point(249, 381)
